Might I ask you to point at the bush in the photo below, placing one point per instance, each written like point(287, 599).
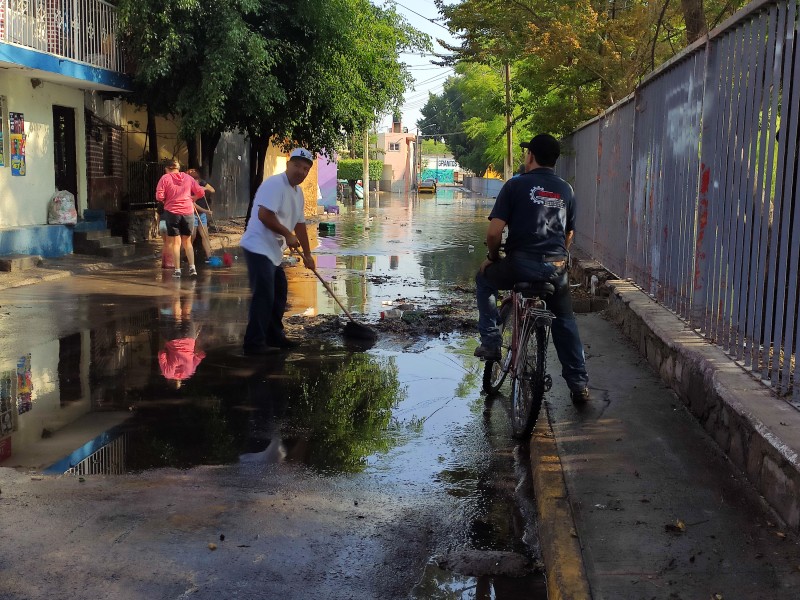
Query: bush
point(353, 168)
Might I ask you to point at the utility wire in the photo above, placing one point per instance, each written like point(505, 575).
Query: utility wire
point(423, 16)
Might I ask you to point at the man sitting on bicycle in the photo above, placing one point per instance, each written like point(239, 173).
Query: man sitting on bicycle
point(538, 207)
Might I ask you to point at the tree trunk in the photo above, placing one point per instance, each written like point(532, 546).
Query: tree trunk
point(191, 150)
point(694, 19)
point(259, 145)
point(209, 142)
point(152, 137)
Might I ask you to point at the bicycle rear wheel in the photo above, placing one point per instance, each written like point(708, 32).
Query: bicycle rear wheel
point(527, 386)
point(494, 372)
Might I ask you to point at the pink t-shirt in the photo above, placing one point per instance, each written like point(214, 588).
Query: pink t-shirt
point(175, 190)
point(179, 359)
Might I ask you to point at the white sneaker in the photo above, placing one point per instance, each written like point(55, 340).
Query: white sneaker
point(177, 273)
point(192, 271)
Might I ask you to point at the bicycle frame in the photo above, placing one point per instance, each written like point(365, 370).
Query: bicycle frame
point(530, 312)
point(525, 332)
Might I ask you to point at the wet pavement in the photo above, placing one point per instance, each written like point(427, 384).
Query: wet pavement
point(325, 472)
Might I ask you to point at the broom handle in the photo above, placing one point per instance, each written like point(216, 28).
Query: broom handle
point(330, 291)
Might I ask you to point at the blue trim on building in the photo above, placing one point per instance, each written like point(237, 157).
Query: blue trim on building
point(89, 448)
point(43, 61)
point(49, 241)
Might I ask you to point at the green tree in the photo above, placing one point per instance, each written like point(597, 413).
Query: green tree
point(304, 72)
point(570, 59)
point(352, 169)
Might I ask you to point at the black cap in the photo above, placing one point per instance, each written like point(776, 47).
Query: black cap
point(545, 149)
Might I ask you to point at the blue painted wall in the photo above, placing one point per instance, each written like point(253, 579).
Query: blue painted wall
point(54, 64)
point(49, 241)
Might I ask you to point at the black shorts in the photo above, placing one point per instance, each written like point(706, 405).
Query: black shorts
point(178, 224)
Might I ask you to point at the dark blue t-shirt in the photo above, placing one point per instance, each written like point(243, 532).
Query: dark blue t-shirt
point(539, 209)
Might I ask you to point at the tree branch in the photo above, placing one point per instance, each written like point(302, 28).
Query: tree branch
point(655, 37)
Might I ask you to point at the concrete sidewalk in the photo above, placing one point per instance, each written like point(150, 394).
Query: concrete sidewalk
point(51, 269)
point(658, 510)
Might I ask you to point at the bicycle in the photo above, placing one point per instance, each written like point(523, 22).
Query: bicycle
point(525, 330)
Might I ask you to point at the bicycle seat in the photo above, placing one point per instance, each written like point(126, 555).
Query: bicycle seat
point(534, 288)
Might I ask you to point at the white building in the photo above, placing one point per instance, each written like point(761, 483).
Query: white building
point(60, 81)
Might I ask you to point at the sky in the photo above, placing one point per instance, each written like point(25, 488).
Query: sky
point(428, 78)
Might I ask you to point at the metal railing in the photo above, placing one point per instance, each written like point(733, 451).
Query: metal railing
point(689, 188)
point(82, 30)
point(140, 185)
point(108, 460)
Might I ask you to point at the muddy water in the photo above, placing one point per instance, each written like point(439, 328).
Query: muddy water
point(130, 370)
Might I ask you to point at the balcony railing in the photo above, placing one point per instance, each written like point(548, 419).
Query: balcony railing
point(81, 30)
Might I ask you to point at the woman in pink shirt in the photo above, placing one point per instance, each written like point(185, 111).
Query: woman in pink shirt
point(178, 191)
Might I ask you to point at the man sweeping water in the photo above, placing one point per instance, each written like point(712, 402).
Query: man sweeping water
point(276, 221)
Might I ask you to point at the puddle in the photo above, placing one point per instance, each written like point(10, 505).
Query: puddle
point(441, 584)
point(129, 372)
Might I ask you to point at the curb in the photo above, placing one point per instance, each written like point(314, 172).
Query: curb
point(561, 549)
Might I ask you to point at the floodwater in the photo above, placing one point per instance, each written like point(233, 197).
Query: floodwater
point(130, 370)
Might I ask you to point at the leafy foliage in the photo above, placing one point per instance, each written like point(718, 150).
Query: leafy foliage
point(346, 409)
point(570, 59)
point(306, 72)
point(352, 169)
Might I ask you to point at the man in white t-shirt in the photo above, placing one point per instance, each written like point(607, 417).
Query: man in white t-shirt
point(276, 221)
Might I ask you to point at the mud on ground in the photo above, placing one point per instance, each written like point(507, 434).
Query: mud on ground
point(418, 318)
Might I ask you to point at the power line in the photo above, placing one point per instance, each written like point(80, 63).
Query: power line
point(423, 16)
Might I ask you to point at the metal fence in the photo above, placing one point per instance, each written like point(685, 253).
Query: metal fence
point(688, 187)
point(81, 30)
point(108, 460)
point(140, 184)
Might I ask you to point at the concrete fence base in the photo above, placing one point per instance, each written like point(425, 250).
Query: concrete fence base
point(758, 431)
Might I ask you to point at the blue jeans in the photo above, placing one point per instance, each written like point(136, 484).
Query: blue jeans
point(270, 289)
point(502, 275)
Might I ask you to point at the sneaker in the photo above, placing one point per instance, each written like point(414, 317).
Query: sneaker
point(487, 353)
point(579, 396)
point(192, 271)
point(177, 273)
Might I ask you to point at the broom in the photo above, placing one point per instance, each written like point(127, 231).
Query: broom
point(353, 328)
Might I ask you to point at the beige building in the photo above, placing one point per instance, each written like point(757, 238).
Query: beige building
point(399, 148)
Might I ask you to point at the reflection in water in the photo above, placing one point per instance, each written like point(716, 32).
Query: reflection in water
point(439, 584)
point(179, 355)
point(183, 434)
point(330, 415)
point(409, 247)
point(345, 410)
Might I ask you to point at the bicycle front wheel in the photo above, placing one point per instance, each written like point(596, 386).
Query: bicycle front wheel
point(527, 386)
point(494, 372)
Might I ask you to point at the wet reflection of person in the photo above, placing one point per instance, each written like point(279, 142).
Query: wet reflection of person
point(180, 356)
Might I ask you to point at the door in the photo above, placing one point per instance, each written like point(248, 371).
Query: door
point(66, 164)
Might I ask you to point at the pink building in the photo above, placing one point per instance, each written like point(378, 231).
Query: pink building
point(399, 149)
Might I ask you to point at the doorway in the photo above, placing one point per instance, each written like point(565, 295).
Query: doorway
point(65, 154)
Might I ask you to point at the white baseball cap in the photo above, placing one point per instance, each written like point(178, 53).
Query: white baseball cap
point(302, 153)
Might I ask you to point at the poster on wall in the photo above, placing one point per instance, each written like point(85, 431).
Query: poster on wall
point(17, 139)
point(24, 384)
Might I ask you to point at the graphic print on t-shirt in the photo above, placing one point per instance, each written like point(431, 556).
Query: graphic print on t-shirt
point(551, 217)
point(539, 195)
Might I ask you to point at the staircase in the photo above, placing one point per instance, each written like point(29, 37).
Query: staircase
point(91, 236)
